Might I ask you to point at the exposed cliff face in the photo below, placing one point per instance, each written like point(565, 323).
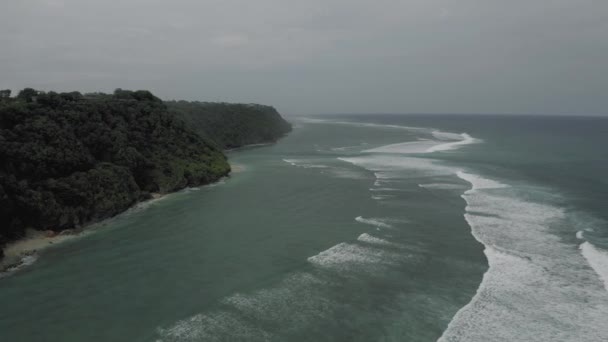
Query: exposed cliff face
point(68, 159)
point(232, 125)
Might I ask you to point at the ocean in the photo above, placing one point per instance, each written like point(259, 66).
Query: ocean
point(352, 228)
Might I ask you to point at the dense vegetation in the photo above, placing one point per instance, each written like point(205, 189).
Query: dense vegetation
point(67, 159)
point(232, 125)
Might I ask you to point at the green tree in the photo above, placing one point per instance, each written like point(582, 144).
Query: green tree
point(68, 159)
point(27, 94)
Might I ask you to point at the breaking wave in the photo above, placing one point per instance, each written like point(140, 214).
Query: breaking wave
point(376, 222)
point(598, 259)
point(304, 164)
point(535, 281)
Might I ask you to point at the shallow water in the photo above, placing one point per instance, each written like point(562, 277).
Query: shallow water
point(360, 228)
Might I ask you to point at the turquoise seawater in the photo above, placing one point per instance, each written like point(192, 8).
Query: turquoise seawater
point(352, 228)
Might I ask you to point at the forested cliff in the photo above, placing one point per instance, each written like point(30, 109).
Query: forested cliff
point(67, 159)
point(232, 125)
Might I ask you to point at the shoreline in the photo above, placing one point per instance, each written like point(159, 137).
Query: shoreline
point(25, 251)
point(233, 149)
point(236, 168)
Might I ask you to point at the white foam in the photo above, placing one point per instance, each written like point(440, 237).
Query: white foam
point(428, 146)
point(440, 135)
point(148, 203)
point(243, 314)
point(580, 235)
point(479, 182)
point(373, 240)
point(598, 259)
point(376, 222)
point(307, 164)
point(218, 183)
point(362, 124)
point(386, 167)
point(25, 261)
point(421, 146)
point(465, 140)
point(313, 120)
point(382, 197)
point(441, 186)
point(537, 287)
point(348, 174)
point(384, 189)
point(218, 326)
point(301, 290)
point(382, 176)
point(454, 140)
point(345, 148)
point(29, 259)
point(352, 257)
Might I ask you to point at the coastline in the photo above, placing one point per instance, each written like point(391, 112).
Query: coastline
point(23, 252)
point(248, 146)
point(186, 152)
point(236, 168)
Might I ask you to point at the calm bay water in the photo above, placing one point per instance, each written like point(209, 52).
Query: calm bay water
point(352, 228)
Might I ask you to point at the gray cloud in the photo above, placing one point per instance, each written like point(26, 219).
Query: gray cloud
point(466, 56)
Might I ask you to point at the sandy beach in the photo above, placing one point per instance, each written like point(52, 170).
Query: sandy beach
point(25, 251)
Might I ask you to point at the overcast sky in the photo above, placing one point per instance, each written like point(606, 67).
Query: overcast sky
point(319, 56)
